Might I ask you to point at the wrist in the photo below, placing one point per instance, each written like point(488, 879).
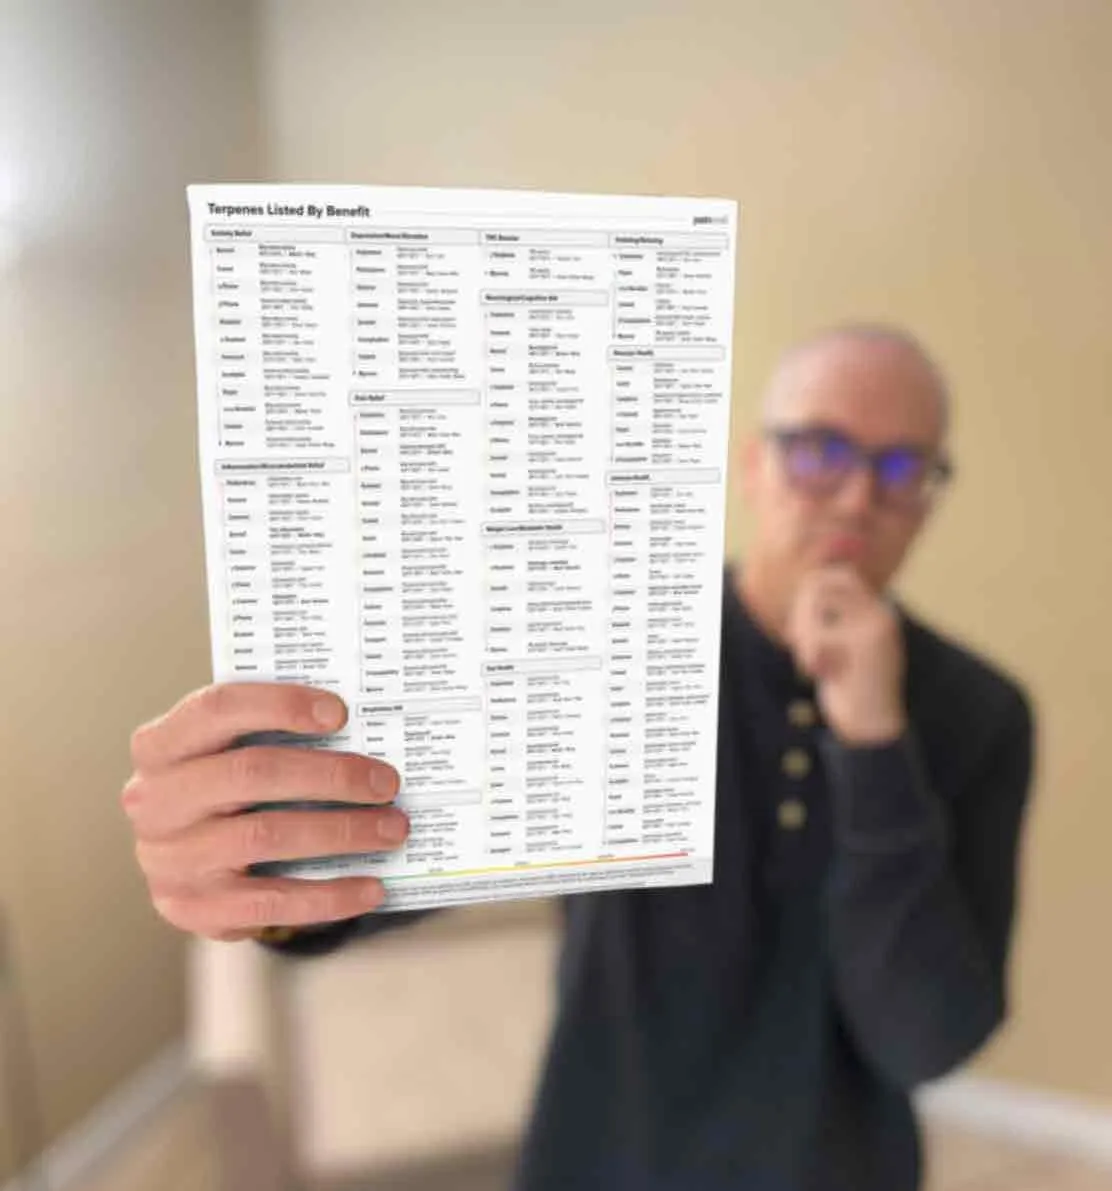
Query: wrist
point(278, 936)
point(873, 731)
point(310, 939)
point(275, 936)
point(882, 794)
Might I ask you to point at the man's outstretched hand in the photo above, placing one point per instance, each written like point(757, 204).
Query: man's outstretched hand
point(188, 788)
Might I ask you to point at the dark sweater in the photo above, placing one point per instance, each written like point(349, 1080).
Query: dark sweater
point(763, 1033)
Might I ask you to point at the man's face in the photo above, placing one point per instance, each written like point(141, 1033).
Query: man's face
point(815, 502)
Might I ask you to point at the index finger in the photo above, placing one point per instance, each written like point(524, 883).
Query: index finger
point(825, 581)
point(815, 587)
point(838, 572)
point(212, 718)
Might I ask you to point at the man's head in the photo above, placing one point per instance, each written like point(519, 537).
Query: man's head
point(836, 402)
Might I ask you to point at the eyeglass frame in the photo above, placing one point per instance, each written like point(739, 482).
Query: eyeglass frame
point(940, 467)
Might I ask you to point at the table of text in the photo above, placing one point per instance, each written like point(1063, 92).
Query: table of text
point(463, 459)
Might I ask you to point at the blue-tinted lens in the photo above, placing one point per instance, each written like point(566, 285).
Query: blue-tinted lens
point(819, 456)
point(900, 469)
point(837, 453)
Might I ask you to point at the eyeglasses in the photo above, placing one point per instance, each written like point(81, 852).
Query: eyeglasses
point(819, 460)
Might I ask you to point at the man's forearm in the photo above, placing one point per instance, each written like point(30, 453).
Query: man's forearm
point(914, 976)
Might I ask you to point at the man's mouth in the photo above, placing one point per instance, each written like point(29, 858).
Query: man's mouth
point(843, 545)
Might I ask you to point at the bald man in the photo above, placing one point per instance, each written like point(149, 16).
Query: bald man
point(764, 1032)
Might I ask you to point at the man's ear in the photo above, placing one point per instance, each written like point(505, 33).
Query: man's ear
point(750, 461)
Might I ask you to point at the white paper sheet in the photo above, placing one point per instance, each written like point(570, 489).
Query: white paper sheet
point(463, 462)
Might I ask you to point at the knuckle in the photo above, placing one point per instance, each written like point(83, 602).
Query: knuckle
point(343, 773)
point(146, 858)
point(262, 908)
point(140, 744)
point(260, 836)
point(133, 794)
point(166, 871)
point(334, 904)
point(173, 910)
point(344, 832)
point(216, 702)
point(251, 767)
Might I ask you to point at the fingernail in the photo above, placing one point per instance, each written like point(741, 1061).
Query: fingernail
point(328, 711)
point(393, 826)
point(385, 781)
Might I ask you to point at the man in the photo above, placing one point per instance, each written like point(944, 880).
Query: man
point(762, 1033)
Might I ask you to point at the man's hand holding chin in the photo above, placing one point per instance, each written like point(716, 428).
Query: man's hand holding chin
point(847, 639)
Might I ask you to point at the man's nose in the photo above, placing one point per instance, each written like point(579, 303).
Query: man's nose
point(857, 492)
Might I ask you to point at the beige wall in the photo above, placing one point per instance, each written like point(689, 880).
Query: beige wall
point(947, 165)
point(108, 109)
point(942, 164)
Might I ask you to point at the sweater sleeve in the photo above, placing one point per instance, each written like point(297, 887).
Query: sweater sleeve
point(328, 937)
point(921, 898)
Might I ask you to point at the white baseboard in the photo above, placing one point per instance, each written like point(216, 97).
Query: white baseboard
point(1048, 1121)
point(73, 1158)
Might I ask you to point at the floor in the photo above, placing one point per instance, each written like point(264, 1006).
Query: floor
point(175, 1154)
point(428, 989)
point(962, 1161)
